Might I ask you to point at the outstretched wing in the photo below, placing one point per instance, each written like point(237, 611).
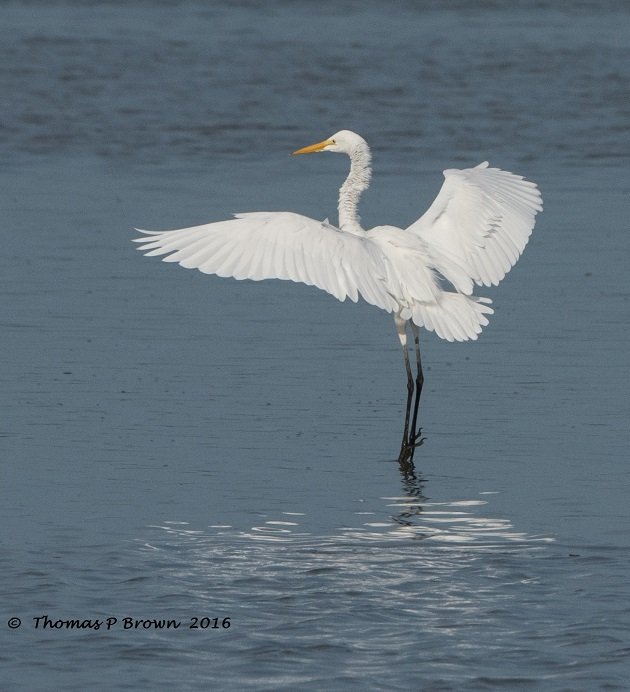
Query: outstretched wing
point(481, 219)
point(279, 245)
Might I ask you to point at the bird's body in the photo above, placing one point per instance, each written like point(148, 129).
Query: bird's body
point(473, 233)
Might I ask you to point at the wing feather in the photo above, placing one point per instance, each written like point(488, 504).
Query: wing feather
point(281, 245)
point(481, 219)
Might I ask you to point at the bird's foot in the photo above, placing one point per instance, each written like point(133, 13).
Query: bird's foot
point(416, 439)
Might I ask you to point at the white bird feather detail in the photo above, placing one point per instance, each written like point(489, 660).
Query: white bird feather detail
point(482, 219)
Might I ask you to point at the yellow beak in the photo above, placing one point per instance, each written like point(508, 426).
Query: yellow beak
point(312, 148)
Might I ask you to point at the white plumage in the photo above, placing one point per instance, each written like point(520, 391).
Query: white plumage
point(482, 218)
point(473, 233)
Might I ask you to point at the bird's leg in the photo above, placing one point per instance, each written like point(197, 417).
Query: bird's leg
point(416, 438)
point(402, 335)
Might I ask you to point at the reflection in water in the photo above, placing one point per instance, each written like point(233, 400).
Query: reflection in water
point(408, 516)
point(412, 483)
point(440, 570)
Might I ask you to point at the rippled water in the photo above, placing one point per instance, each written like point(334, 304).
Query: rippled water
point(176, 446)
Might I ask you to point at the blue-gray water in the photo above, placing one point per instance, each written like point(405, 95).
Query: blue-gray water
point(178, 446)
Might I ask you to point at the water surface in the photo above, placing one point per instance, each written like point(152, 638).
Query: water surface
point(179, 446)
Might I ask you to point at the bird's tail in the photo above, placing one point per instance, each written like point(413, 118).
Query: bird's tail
point(455, 317)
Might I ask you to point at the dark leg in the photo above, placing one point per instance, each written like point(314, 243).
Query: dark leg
point(406, 452)
point(416, 438)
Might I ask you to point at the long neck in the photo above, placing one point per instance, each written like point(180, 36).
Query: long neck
point(357, 181)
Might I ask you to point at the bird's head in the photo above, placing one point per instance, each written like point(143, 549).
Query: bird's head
point(342, 142)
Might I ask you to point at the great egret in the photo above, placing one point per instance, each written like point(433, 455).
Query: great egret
point(473, 233)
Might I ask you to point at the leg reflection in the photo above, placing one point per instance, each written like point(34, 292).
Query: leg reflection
point(413, 489)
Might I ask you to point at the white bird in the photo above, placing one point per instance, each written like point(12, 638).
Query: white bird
point(473, 233)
